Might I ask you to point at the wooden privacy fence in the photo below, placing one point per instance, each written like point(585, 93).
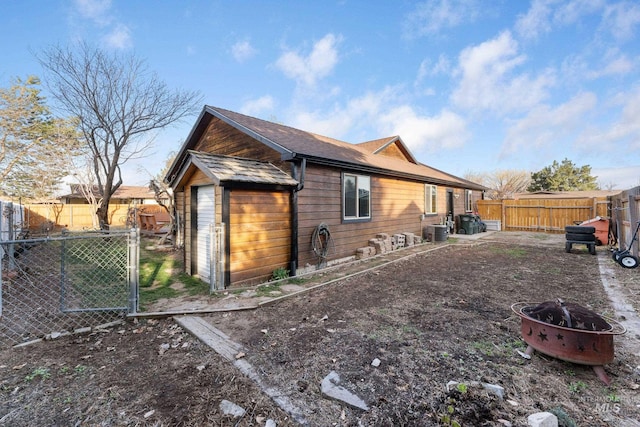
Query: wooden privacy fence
point(75, 217)
point(625, 209)
point(548, 215)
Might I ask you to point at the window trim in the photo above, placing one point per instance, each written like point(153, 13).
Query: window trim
point(430, 190)
point(468, 200)
point(357, 217)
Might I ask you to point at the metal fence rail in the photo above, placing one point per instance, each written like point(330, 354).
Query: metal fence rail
point(57, 285)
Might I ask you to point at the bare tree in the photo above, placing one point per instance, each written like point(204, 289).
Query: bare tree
point(164, 197)
point(120, 105)
point(86, 185)
point(502, 184)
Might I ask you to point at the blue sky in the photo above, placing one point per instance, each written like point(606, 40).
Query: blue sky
point(469, 85)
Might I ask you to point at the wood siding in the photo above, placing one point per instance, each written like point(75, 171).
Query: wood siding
point(260, 230)
point(396, 207)
point(393, 151)
point(223, 139)
point(260, 222)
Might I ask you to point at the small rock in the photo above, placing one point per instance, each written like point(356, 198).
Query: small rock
point(230, 408)
point(331, 331)
point(163, 348)
point(331, 388)
point(264, 331)
point(512, 402)
point(270, 423)
point(495, 389)
point(375, 363)
point(148, 414)
point(240, 355)
point(325, 317)
point(200, 368)
point(542, 419)
point(524, 355)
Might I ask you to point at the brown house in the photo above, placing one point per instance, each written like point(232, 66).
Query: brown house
point(257, 195)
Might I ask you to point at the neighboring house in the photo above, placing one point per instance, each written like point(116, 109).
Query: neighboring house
point(268, 187)
point(124, 195)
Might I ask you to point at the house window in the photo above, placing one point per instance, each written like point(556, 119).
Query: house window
point(356, 194)
point(468, 201)
point(430, 199)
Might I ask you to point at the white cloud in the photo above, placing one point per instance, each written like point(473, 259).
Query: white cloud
point(570, 12)
point(242, 50)
point(536, 20)
point(446, 130)
point(615, 63)
point(545, 127)
point(386, 110)
point(257, 107)
point(442, 66)
point(544, 15)
point(489, 82)
point(620, 135)
point(432, 16)
point(318, 64)
point(622, 19)
point(351, 120)
point(619, 178)
point(119, 37)
point(577, 68)
point(113, 33)
point(96, 10)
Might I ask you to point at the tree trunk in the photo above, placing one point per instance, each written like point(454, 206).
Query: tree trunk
point(103, 217)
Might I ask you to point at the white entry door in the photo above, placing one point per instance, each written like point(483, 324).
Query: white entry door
point(205, 225)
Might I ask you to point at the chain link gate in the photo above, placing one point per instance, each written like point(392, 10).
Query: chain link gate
point(58, 285)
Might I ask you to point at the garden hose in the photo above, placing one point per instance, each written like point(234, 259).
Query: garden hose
point(320, 241)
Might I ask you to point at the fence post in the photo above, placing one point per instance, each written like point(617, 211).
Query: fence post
point(132, 267)
point(1, 257)
point(10, 224)
point(220, 256)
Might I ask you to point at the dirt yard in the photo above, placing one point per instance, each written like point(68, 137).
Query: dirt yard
point(439, 316)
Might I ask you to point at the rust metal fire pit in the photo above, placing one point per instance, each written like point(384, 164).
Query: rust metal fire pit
point(567, 337)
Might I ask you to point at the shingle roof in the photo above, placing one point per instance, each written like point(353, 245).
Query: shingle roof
point(233, 169)
point(294, 143)
point(380, 145)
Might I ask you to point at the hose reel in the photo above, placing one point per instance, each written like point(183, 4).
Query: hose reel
point(320, 241)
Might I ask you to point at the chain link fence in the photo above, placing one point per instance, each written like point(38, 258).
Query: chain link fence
point(57, 285)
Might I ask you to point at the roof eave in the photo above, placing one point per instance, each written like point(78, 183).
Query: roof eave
point(382, 171)
point(198, 130)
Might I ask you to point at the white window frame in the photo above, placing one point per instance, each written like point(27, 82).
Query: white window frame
point(430, 199)
point(362, 183)
point(468, 200)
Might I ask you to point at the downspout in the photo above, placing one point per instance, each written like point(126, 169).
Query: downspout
point(293, 262)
